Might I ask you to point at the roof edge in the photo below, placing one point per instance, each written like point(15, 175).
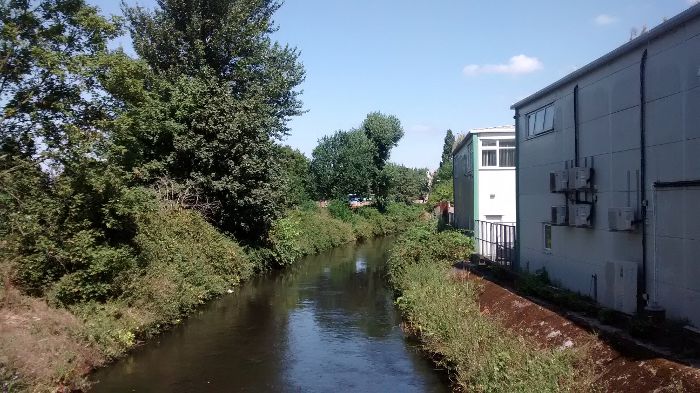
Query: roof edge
point(685, 16)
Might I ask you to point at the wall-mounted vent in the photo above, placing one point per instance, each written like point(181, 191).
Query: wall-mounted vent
point(558, 181)
point(621, 218)
point(582, 216)
point(559, 216)
point(581, 178)
point(620, 290)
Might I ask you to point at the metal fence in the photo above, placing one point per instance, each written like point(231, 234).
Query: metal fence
point(495, 241)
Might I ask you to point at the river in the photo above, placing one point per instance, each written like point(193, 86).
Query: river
point(328, 324)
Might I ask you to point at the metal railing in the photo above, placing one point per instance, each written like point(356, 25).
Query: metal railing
point(495, 242)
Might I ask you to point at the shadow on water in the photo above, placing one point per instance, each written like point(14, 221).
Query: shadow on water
point(326, 324)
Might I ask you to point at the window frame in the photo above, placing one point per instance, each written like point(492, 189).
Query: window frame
point(546, 226)
point(531, 120)
point(497, 148)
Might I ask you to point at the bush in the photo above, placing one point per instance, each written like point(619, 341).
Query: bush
point(340, 210)
point(303, 233)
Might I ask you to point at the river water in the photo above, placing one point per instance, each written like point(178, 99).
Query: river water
point(328, 324)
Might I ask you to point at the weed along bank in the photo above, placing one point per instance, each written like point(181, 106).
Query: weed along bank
point(608, 175)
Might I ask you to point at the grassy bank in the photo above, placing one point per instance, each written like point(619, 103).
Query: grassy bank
point(443, 312)
point(178, 262)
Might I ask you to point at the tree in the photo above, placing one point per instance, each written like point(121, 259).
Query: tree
point(52, 55)
point(343, 164)
point(406, 184)
point(444, 172)
point(219, 93)
point(447, 146)
point(385, 132)
point(295, 174)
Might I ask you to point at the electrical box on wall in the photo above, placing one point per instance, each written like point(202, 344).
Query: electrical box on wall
point(582, 215)
point(621, 218)
point(558, 181)
point(559, 216)
point(580, 178)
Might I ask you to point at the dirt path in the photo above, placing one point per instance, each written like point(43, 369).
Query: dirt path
point(622, 367)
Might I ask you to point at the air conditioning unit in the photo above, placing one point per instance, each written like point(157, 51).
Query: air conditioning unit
point(620, 287)
point(558, 181)
point(621, 218)
point(559, 216)
point(580, 178)
point(582, 215)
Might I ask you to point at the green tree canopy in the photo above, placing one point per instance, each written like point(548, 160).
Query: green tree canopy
point(385, 132)
point(343, 164)
point(406, 184)
point(296, 176)
point(218, 94)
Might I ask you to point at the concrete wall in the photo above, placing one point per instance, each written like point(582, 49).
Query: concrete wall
point(609, 135)
point(463, 187)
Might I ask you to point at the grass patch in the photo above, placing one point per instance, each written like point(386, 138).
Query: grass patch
point(481, 354)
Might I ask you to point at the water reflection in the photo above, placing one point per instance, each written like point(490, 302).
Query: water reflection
point(325, 324)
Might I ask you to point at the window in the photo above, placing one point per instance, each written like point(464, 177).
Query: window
point(547, 237)
point(541, 120)
point(488, 157)
point(498, 153)
point(506, 153)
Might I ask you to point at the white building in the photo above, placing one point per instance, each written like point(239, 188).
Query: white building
point(609, 174)
point(484, 185)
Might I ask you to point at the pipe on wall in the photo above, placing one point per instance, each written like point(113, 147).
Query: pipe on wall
point(642, 296)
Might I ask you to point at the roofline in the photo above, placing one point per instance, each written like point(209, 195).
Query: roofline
point(684, 17)
point(474, 131)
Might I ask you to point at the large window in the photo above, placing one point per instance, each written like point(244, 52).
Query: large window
point(541, 120)
point(497, 153)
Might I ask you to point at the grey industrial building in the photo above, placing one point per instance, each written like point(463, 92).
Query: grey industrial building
point(608, 175)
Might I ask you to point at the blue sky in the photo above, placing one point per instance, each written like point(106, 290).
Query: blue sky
point(440, 64)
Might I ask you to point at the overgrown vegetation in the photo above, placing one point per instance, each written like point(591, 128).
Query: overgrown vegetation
point(132, 190)
point(443, 312)
point(305, 232)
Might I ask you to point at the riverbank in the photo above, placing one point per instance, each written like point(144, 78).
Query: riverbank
point(480, 353)
point(183, 263)
point(492, 339)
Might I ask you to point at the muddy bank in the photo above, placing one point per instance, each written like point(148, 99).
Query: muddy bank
point(621, 366)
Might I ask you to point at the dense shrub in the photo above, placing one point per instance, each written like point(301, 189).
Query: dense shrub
point(303, 233)
point(445, 314)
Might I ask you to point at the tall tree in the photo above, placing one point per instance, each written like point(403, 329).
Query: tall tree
point(444, 172)
point(52, 55)
point(220, 93)
point(385, 132)
point(447, 145)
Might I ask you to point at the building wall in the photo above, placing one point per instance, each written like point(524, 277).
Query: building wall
point(496, 188)
point(609, 136)
point(463, 177)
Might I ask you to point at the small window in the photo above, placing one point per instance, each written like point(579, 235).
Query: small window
point(488, 157)
point(547, 237)
point(489, 142)
point(541, 120)
point(506, 158)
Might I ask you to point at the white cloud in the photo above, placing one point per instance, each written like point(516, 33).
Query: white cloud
point(604, 20)
point(692, 2)
point(517, 65)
